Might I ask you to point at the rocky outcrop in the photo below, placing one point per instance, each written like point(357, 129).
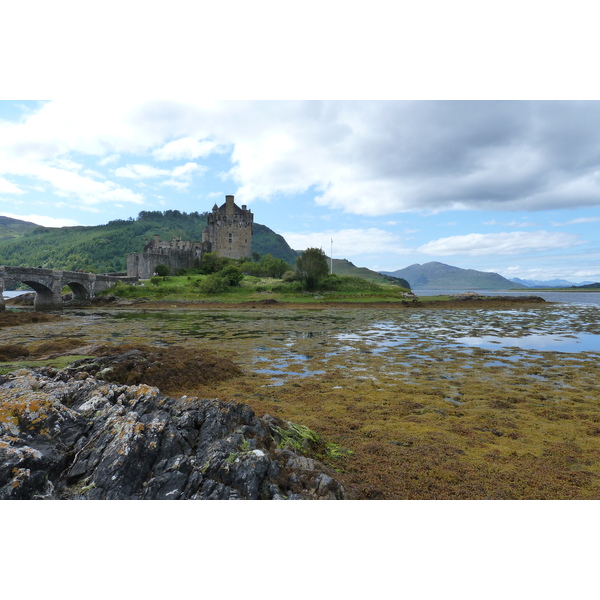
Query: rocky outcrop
point(72, 436)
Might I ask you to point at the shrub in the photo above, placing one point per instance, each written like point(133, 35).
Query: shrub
point(162, 270)
point(268, 266)
point(232, 274)
point(213, 284)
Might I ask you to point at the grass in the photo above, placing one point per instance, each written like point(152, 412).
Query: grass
point(187, 289)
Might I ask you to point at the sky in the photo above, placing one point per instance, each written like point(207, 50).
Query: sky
point(511, 187)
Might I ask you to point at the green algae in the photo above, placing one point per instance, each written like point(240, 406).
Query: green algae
point(59, 362)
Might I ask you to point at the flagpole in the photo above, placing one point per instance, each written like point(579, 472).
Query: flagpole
point(331, 257)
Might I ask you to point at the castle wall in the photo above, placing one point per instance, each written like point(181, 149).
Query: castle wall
point(143, 264)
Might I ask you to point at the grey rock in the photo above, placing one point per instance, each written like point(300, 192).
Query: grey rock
point(67, 437)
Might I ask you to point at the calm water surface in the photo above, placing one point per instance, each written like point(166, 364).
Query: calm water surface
point(566, 297)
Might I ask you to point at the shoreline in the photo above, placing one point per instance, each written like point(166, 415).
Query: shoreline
point(466, 302)
point(469, 302)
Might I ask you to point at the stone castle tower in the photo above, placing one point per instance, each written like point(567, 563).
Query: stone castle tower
point(229, 230)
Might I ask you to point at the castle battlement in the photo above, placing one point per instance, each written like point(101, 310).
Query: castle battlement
point(229, 230)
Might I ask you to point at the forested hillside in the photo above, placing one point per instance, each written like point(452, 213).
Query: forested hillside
point(103, 248)
point(11, 229)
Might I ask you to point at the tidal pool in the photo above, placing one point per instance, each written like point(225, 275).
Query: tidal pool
point(465, 403)
point(583, 342)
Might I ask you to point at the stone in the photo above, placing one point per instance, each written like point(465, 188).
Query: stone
point(63, 437)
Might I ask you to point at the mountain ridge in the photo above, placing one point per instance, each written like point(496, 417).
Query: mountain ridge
point(437, 275)
point(552, 283)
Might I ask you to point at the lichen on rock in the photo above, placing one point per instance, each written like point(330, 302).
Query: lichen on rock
point(72, 436)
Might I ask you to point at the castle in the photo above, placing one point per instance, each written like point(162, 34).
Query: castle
point(228, 233)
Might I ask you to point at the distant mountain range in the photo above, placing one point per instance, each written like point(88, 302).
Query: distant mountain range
point(553, 283)
point(437, 275)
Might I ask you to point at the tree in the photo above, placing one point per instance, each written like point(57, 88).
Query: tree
point(211, 263)
point(273, 267)
point(311, 266)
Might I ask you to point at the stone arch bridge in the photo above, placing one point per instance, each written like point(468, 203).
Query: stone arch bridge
point(48, 284)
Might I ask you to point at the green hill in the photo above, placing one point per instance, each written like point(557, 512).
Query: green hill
point(345, 267)
point(436, 275)
point(266, 241)
point(11, 229)
point(103, 248)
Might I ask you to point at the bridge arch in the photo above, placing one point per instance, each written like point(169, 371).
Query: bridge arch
point(45, 297)
point(80, 292)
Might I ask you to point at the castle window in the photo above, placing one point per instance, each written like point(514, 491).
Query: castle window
point(230, 238)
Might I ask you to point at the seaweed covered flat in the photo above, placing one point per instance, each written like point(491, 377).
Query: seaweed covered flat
point(13, 318)
point(432, 405)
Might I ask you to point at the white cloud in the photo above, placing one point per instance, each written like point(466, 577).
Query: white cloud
point(180, 177)
point(348, 242)
point(180, 186)
point(66, 164)
point(186, 171)
point(368, 158)
point(140, 172)
point(6, 187)
point(511, 223)
point(109, 160)
point(578, 221)
point(43, 220)
point(478, 244)
point(67, 183)
point(85, 189)
point(186, 148)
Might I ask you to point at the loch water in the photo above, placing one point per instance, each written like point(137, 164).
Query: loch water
point(566, 297)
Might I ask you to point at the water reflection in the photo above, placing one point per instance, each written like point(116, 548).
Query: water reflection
point(584, 342)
